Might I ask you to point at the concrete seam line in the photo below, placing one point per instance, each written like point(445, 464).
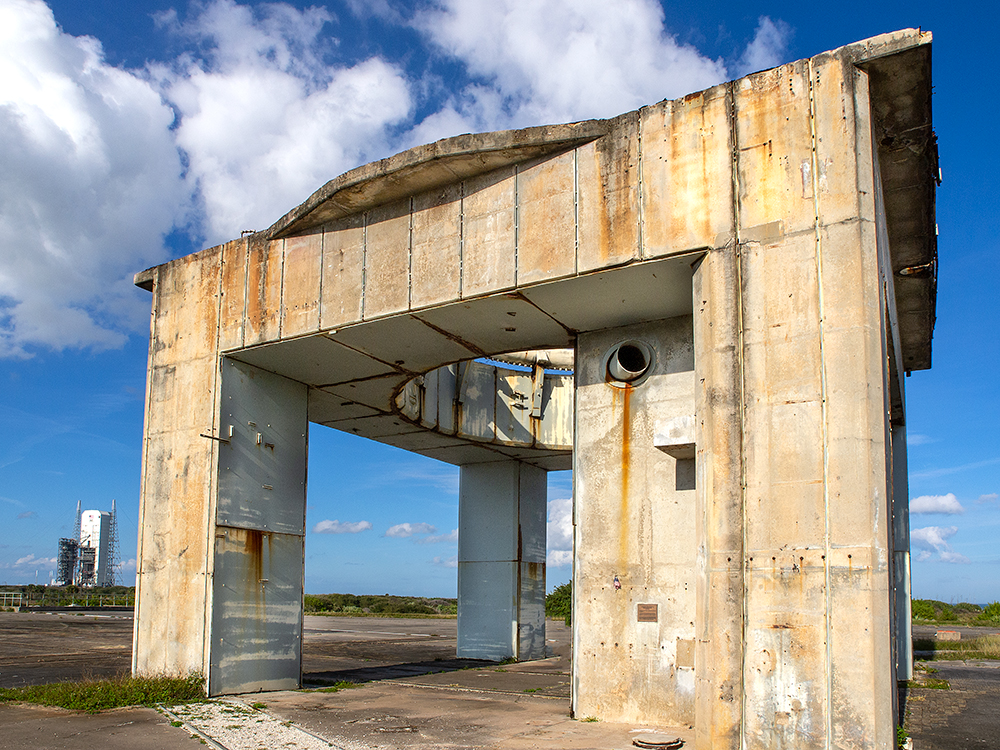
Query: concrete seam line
point(193, 729)
point(825, 407)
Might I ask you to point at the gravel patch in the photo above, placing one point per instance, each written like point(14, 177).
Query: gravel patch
point(234, 725)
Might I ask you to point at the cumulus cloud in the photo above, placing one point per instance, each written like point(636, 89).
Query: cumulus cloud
point(559, 532)
point(947, 504)
point(264, 121)
point(450, 538)
point(336, 527)
point(32, 562)
point(767, 49)
point(403, 530)
point(934, 539)
point(446, 562)
point(254, 112)
point(90, 182)
point(990, 498)
point(541, 61)
point(557, 60)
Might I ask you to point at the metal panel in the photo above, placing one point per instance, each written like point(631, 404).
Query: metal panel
point(513, 407)
point(256, 612)
point(262, 453)
point(555, 429)
point(447, 389)
point(429, 403)
point(477, 400)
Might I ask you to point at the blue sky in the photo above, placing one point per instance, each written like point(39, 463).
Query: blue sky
point(134, 132)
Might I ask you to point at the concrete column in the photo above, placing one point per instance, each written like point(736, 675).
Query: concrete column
point(720, 502)
point(501, 561)
point(636, 553)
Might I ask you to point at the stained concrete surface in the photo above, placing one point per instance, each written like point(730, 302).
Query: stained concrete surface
point(418, 694)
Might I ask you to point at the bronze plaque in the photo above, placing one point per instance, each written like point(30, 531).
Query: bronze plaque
point(647, 613)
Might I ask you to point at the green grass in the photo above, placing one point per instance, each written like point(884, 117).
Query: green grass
point(930, 683)
point(333, 687)
point(95, 695)
point(983, 647)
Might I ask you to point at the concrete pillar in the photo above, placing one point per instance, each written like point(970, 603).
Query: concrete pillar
point(634, 582)
point(501, 561)
point(222, 506)
point(719, 501)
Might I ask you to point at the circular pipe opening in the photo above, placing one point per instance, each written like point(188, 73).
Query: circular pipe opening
point(629, 361)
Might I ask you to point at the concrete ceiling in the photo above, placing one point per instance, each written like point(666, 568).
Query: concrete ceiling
point(354, 373)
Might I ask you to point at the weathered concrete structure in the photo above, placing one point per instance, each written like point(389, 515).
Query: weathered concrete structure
point(745, 274)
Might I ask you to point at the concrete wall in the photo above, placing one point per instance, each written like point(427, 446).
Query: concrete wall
point(635, 535)
point(178, 470)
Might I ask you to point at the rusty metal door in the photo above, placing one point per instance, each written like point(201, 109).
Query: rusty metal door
point(259, 533)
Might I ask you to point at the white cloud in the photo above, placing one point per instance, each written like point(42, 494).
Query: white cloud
point(947, 504)
point(767, 49)
point(991, 497)
point(558, 558)
point(934, 539)
point(26, 514)
point(403, 530)
point(446, 562)
point(90, 182)
point(559, 532)
point(450, 538)
point(336, 527)
point(100, 163)
point(543, 61)
point(30, 561)
point(263, 120)
point(918, 439)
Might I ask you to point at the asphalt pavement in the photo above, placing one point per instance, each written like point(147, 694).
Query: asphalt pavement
point(415, 694)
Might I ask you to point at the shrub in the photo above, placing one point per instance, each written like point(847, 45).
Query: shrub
point(991, 612)
point(922, 609)
point(560, 602)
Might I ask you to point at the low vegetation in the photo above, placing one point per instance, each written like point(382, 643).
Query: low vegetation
point(983, 647)
point(932, 611)
point(560, 602)
point(35, 595)
point(95, 695)
point(379, 605)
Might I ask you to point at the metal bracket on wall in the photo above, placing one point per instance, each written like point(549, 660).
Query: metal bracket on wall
point(220, 439)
